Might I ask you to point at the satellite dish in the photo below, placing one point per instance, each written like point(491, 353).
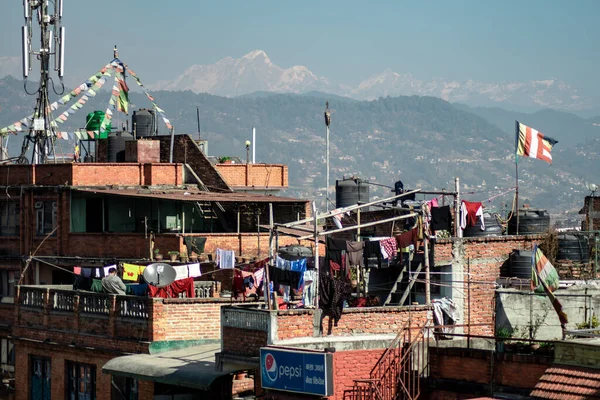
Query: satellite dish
point(592, 187)
point(159, 274)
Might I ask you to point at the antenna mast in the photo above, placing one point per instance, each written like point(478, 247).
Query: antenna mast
point(42, 132)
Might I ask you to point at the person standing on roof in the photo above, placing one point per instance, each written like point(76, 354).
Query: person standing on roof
point(112, 283)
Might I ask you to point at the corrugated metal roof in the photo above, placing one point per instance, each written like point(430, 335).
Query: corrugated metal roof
point(187, 195)
point(568, 383)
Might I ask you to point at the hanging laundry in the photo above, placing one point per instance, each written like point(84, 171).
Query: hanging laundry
point(77, 270)
point(137, 289)
point(355, 256)
point(332, 294)
point(283, 277)
point(174, 289)
point(441, 219)
point(106, 270)
point(194, 244)
point(469, 211)
point(407, 238)
point(87, 272)
point(181, 272)
point(433, 203)
point(372, 253)
point(388, 247)
point(81, 282)
point(194, 270)
point(131, 272)
point(96, 286)
point(308, 292)
point(225, 259)
point(336, 256)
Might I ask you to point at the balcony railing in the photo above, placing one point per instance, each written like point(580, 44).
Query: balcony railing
point(253, 319)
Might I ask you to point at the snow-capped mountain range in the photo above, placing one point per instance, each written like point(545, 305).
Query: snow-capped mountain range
point(255, 72)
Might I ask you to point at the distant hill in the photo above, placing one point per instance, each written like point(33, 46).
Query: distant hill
point(423, 141)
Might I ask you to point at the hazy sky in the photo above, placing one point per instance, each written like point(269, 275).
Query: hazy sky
point(346, 41)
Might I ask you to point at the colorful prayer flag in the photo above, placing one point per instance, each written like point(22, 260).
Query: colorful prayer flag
point(544, 279)
point(123, 95)
point(533, 144)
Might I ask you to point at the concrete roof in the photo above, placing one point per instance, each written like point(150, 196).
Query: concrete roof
point(191, 195)
point(191, 367)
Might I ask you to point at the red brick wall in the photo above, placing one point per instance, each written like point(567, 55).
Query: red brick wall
point(354, 321)
point(485, 258)
point(187, 319)
point(260, 175)
point(351, 365)
point(6, 314)
point(164, 174)
point(476, 366)
point(243, 342)
point(13, 174)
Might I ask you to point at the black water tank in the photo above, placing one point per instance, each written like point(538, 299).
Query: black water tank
point(492, 227)
point(520, 264)
point(349, 192)
point(116, 145)
point(531, 221)
point(144, 121)
point(575, 247)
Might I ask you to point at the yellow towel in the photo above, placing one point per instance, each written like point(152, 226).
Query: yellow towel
point(131, 272)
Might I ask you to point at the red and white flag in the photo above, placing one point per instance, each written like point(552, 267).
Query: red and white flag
point(533, 144)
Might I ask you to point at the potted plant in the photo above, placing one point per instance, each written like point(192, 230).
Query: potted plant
point(193, 257)
point(353, 277)
point(183, 257)
point(501, 335)
point(225, 160)
point(173, 255)
point(158, 255)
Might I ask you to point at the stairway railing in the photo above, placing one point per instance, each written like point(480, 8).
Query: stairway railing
point(397, 374)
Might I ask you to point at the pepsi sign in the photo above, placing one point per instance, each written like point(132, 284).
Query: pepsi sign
point(299, 371)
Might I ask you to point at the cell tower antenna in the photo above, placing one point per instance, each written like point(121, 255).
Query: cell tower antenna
point(45, 16)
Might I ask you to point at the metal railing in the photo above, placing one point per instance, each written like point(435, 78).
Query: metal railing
point(398, 373)
point(252, 319)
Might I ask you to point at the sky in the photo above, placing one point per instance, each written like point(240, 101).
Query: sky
point(345, 41)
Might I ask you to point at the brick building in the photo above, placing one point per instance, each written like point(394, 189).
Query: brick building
point(58, 216)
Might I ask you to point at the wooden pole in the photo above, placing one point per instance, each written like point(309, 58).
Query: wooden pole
point(271, 249)
point(517, 173)
point(427, 275)
point(457, 229)
point(316, 237)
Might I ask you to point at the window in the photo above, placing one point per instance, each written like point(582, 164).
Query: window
point(7, 352)
point(40, 378)
point(124, 388)
point(81, 381)
point(10, 218)
point(8, 280)
point(45, 216)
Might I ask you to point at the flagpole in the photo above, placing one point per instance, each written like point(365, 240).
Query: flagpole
point(517, 172)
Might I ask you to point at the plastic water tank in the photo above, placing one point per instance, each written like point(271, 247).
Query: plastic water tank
point(116, 145)
point(349, 192)
point(520, 264)
point(144, 121)
point(492, 227)
point(531, 221)
point(573, 247)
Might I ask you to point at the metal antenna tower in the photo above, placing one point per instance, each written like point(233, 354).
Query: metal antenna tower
point(48, 15)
